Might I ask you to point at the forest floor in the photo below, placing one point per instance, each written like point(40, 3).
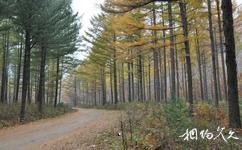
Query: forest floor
point(73, 131)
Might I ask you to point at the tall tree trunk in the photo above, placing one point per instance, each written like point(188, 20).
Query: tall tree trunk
point(213, 52)
point(183, 14)
point(57, 80)
point(161, 76)
point(143, 78)
point(156, 63)
point(172, 53)
point(177, 73)
point(115, 73)
point(222, 49)
point(18, 72)
point(140, 78)
point(149, 79)
point(75, 90)
point(129, 82)
point(217, 65)
point(41, 92)
point(123, 85)
point(95, 93)
point(61, 75)
point(26, 74)
point(111, 84)
point(5, 67)
point(205, 80)
point(199, 64)
point(132, 80)
point(164, 57)
point(119, 83)
point(233, 97)
point(103, 85)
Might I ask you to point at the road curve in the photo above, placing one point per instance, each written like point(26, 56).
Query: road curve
point(41, 132)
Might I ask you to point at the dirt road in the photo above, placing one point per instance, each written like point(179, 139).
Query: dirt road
point(70, 131)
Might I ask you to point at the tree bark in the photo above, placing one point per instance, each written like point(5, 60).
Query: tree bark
point(199, 65)
point(217, 65)
point(4, 84)
point(213, 53)
point(115, 73)
point(129, 83)
point(233, 98)
point(164, 57)
point(222, 50)
point(61, 75)
point(57, 80)
point(182, 6)
point(111, 84)
point(156, 63)
point(41, 92)
point(103, 85)
point(18, 73)
point(172, 53)
point(26, 73)
point(123, 84)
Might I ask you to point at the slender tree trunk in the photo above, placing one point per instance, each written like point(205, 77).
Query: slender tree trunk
point(18, 72)
point(129, 83)
point(132, 80)
point(115, 73)
point(29, 90)
point(213, 52)
point(26, 74)
point(217, 65)
point(123, 85)
point(61, 75)
point(140, 78)
point(111, 83)
point(164, 58)
point(57, 80)
point(172, 53)
point(156, 63)
point(222, 49)
point(95, 93)
point(7, 68)
point(4, 69)
point(86, 93)
point(183, 81)
point(41, 92)
point(177, 74)
point(205, 80)
point(199, 65)
point(182, 6)
point(75, 90)
point(103, 85)
point(144, 75)
point(119, 83)
point(233, 96)
point(149, 80)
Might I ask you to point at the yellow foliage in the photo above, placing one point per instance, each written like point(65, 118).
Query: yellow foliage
point(208, 113)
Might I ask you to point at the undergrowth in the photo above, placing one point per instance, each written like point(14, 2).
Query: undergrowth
point(9, 114)
point(158, 127)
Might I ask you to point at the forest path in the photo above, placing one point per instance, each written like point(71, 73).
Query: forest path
point(55, 133)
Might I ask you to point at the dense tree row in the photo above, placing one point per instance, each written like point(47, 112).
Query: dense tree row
point(155, 50)
point(36, 39)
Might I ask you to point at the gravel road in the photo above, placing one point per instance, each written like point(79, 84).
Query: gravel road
point(46, 134)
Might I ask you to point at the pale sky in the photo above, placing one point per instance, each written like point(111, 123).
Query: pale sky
point(89, 8)
point(86, 10)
